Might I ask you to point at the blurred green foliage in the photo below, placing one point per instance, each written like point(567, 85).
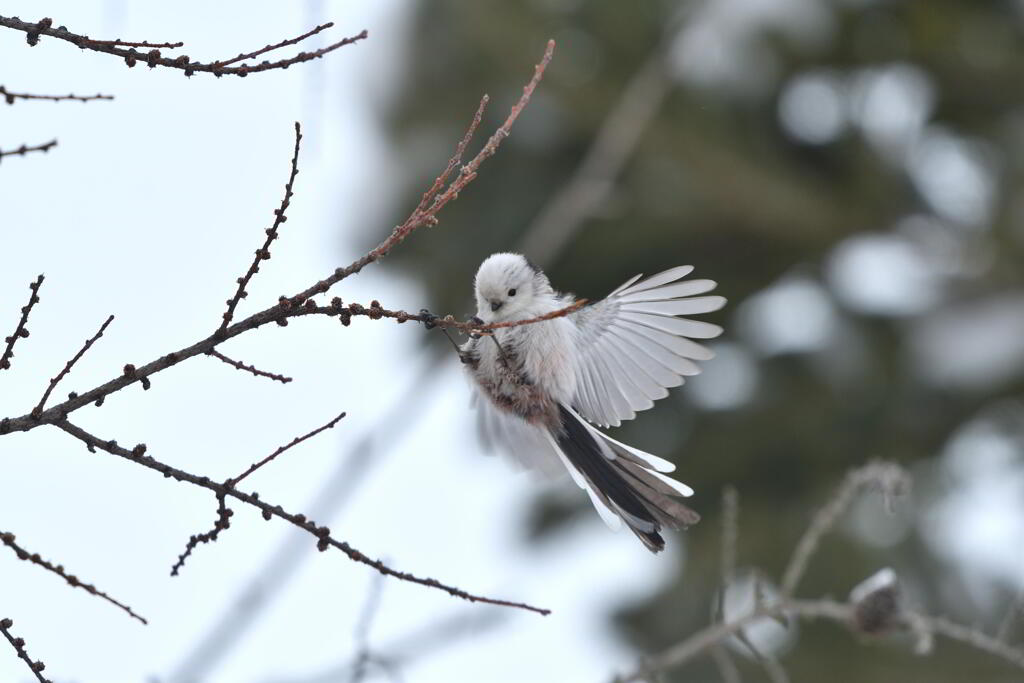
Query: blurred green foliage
point(718, 180)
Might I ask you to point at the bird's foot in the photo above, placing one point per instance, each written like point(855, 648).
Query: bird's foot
point(429, 319)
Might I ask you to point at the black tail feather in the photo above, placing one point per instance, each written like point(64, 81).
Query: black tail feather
point(582, 450)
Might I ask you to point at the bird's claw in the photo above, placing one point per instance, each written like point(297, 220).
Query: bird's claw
point(429, 319)
point(476, 321)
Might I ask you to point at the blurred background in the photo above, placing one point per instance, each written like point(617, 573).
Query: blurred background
point(846, 170)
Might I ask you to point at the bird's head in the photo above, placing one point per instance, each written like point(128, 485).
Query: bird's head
point(507, 287)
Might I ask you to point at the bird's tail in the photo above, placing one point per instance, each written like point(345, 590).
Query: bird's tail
point(625, 484)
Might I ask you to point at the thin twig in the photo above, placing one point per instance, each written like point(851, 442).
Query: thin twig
point(271, 48)
point(153, 57)
point(18, 644)
point(21, 331)
point(222, 523)
point(70, 364)
point(376, 312)
point(8, 539)
point(322, 533)
point(263, 253)
point(141, 43)
point(234, 481)
point(10, 97)
point(891, 478)
point(25, 149)
point(248, 368)
point(974, 637)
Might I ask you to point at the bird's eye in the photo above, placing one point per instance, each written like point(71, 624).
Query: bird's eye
point(512, 292)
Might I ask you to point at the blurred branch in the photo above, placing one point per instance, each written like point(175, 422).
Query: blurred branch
point(10, 97)
point(1013, 612)
point(874, 607)
point(892, 479)
point(21, 330)
point(154, 57)
point(25, 149)
point(423, 641)
point(8, 539)
point(362, 633)
point(593, 180)
point(19, 646)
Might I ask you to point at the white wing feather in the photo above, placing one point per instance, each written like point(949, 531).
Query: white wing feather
point(633, 346)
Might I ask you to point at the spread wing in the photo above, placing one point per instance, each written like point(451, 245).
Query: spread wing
point(634, 344)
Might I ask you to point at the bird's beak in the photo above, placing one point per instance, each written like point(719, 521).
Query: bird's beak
point(495, 305)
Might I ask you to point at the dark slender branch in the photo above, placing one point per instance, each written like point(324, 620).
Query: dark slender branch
point(70, 364)
point(142, 43)
point(153, 57)
point(10, 97)
point(25, 149)
point(322, 533)
point(234, 481)
point(19, 646)
point(21, 331)
point(294, 305)
point(8, 539)
point(263, 253)
point(428, 216)
point(222, 523)
point(248, 368)
point(271, 48)
point(224, 514)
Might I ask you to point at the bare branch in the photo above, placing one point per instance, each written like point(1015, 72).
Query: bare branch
point(10, 97)
point(248, 368)
point(973, 637)
point(891, 478)
point(222, 523)
point(428, 216)
point(8, 539)
point(300, 303)
point(19, 646)
point(154, 57)
point(70, 364)
point(322, 533)
point(128, 43)
point(21, 331)
point(283, 43)
point(294, 442)
point(263, 253)
point(716, 633)
point(25, 149)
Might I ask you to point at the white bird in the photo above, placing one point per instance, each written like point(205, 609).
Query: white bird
point(544, 386)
